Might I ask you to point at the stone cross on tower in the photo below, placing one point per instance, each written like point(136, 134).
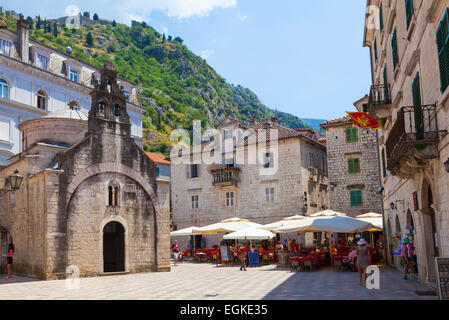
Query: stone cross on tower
point(108, 112)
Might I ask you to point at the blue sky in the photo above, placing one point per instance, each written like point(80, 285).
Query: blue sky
point(299, 56)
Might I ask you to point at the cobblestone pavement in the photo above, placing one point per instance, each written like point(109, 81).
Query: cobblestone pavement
point(189, 281)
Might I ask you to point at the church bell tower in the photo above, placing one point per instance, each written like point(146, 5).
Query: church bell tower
point(108, 113)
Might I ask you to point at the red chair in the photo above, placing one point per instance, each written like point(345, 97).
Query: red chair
point(294, 263)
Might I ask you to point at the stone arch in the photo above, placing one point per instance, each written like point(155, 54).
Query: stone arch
point(110, 167)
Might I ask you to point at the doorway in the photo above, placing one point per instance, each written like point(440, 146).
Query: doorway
point(430, 234)
point(114, 247)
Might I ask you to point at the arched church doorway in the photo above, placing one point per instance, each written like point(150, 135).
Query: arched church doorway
point(114, 247)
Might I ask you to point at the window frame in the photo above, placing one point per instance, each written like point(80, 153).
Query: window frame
point(4, 86)
point(229, 199)
point(270, 195)
point(353, 135)
point(394, 49)
point(356, 198)
point(44, 58)
point(355, 164)
point(409, 12)
point(443, 50)
point(195, 201)
point(76, 73)
point(5, 43)
point(43, 95)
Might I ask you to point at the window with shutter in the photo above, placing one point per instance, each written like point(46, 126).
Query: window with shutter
point(394, 47)
point(352, 135)
point(384, 167)
point(375, 49)
point(354, 165)
point(442, 37)
point(409, 11)
point(419, 123)
point(356, 198)
point(381, 18)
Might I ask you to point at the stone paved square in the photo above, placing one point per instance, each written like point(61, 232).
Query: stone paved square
point(190, 281)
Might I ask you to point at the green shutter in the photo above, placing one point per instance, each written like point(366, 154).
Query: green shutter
point(356, 198)
point(381, 18)
point(386, 93)
point(442, 38)
point(375, 50)
point(416, 92)
point(354, 165)
point(409, 11)
point(384, 166)
point(394, 47)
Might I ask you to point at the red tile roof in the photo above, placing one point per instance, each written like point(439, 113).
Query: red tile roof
point(157, 157)
point(343, 120)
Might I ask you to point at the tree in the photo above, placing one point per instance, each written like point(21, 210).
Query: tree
point(90, 40)
point(55, 29)
point(163, 38)
point(95, 17)
point(30, 21)
point(114, 24)
point(178, 39)
point(38, 23)
point(170, 38)
point(49, 27)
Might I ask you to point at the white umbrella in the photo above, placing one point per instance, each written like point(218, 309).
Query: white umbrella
point(340, 224)
point(250, 234)
point(327, 213)
point(227, 225)
point(183, 232)
point(370, 215)
point(282, 224)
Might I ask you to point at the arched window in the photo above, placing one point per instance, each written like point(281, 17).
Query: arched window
point(113, 195)
point(73, 105)
point(41, 100)
point(101, 109)
point(4, 89)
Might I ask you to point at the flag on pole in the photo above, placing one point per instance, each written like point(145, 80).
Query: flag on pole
point(363, 120)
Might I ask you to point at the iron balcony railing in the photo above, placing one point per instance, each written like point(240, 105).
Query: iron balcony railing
point(416, 126)
point(380, 95)
point(226, 175)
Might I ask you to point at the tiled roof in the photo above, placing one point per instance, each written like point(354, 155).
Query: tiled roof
point(282, 132)
point(343, 120)
point(3, 24)
point(157, 157)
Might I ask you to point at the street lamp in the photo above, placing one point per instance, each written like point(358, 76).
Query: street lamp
point(446, 165)
point(15, 180)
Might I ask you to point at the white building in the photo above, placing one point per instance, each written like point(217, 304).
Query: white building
point(36, 79)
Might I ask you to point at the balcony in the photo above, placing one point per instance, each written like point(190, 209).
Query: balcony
point(226, 177)
point(413, 140)
point(380, 101)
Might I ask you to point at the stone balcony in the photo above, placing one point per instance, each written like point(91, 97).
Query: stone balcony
point(379, 105)
point(226, 177)
point(413, 140)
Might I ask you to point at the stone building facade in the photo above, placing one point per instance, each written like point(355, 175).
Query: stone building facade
point(409, 96)
point(293, 180)
point(36, 79)
point(353, 168)
point(94, 203)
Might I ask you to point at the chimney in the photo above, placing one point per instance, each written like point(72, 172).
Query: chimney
point(23, 32)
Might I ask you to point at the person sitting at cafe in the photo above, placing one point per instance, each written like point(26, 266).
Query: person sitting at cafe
point(293, 248)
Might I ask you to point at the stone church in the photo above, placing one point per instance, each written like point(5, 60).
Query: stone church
point(89, 198)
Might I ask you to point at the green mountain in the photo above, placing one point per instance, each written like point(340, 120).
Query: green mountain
point(175, 85)
point(314, 123)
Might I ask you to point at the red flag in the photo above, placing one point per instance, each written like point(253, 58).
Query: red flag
point(363, 120)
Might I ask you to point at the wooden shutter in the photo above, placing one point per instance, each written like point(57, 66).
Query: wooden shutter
point(381, 18)
point(356, 198)
point(356, 165)
point(443, 51)
point(375, 49)
point(384, 167)
point(394, 47)
point(409, 11)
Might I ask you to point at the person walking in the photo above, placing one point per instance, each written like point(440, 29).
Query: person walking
point(293, 248)
point(362, 259)
point(9, 260)
point(243, 256)
point(176, 249)
point(405, 260)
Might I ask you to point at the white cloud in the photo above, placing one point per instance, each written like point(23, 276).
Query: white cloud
point(242, 17)
point(180, 9)
point(207, 53)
